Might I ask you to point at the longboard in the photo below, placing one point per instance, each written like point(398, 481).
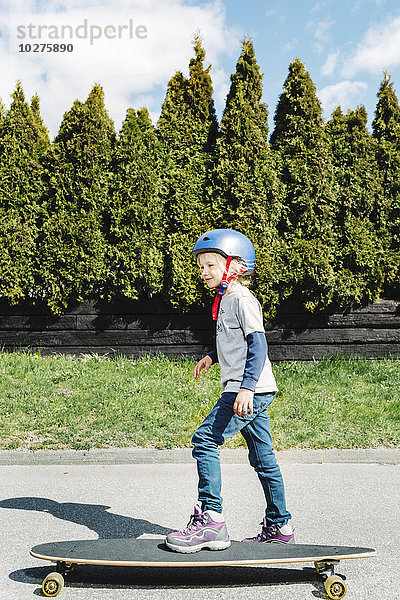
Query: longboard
point(154, 553)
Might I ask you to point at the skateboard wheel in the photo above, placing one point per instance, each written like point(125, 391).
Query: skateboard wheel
point(52, 584)
point(335, 587)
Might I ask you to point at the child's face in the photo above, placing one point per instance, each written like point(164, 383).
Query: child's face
point(211, 268)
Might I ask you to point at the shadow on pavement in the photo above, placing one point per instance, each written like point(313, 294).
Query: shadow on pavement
point(109, 525)
point(95, 517)
point(170, 578)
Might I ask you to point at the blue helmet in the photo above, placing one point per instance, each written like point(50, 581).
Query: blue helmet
point(228, 243)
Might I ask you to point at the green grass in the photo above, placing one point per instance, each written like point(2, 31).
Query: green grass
point(92, 402)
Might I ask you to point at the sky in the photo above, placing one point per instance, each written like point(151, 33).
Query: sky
point(133, 47)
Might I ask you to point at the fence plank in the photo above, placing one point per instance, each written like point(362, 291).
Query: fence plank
point(316, 352)
point(98, 322)
point(137, 328)
point(37, 322)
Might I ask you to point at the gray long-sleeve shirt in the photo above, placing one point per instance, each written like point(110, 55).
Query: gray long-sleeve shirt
point(240, 314)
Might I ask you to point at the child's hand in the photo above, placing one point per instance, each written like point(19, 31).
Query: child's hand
point(243, 403)
point(205, 363)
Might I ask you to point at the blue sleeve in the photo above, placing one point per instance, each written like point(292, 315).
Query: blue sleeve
point(213, 355)
point(256, 357)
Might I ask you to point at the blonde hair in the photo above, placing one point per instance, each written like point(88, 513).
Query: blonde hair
point(235, 268)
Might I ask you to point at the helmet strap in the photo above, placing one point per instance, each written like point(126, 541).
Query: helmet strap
point(225, 281)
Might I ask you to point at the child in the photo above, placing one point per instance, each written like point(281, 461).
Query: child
point(248, 389)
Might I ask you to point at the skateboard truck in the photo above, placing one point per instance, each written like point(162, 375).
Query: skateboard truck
point(335, 587)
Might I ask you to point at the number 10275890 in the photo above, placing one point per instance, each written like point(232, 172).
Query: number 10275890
point(45, 48)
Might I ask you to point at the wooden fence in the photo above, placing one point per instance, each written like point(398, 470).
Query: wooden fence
point(136, 328)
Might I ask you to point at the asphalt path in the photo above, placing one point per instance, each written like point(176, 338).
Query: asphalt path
point(336, 498)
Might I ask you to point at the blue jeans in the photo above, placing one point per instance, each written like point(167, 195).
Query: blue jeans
point(221, 424)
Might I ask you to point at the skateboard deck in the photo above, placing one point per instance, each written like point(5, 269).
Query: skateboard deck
point(154, 553)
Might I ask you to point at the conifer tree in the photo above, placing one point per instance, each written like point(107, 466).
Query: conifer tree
point(308, 211)
point(187, 128)
point(361, 219)
point(43, 140)
point(246, 189)
point(72, 242)
point(23, 142)
point(386, 131)
point(133, 219)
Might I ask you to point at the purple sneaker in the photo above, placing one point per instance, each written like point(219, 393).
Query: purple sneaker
point(273, 534)
point(201, 532)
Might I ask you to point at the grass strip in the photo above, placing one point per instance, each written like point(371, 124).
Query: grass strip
point(60, 402)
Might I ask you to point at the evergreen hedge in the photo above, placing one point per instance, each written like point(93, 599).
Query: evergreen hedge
point(72, 247)
point(361, 236)
point(94, 214)
point(386, 131)
point(187, 130)
point(133, 215)
point(24, 142)
point(306, 171)
point(245, 190)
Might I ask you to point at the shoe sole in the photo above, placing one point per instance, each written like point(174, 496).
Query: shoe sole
point(193, 549)
point(279, 542)
point(292, 541)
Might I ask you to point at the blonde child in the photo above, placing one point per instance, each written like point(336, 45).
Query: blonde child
point(225, 257)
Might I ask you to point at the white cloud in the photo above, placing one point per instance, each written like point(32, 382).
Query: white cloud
point(289, 46)
point(277, 14)
point(329, 66)
point(344, 94)
point(321, 30)
point(320, 6)
point(221, 85)
point(357, 4)
point(379, 49)
point(127, 67)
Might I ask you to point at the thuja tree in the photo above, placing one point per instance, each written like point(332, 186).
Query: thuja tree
point(133, 218)
point(72, 244)
point(187, 128)
point(246, 190)
point(307, 216)
point(386, 131)
point(23, 142)
point(361, 208)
